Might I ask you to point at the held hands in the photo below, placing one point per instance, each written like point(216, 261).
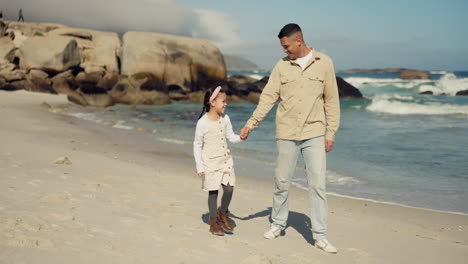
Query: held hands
point(244, 133)
point(201, 174)
point(328, 145)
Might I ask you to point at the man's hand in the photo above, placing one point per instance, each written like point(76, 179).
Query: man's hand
point(201, 174)
point(244, 133)
point(328, 145)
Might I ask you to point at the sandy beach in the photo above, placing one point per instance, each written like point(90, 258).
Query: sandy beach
point(128, 198)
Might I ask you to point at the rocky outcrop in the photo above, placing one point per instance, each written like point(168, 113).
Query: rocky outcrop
point(192, 64)
point(49, 53)
point(7, 50)
point(346, 90)
point(427, 93)
point(31, 29)
point(414, 75)
point(250, 89)
point(408, 74)
point(99, 51)
point(462, 93)
point(97, 68)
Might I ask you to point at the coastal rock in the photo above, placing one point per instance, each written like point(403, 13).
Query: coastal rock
point(18, 38)
point(64, 82)
point(10, 73)
point(124, 93)
point(241, 85)
point(192, 64)
point(197, 97)
point(37, 81)
point(93, 78)
point(176, 93)
point(146, 81)
point(346, 90)
point(414, 75)
point(240, 79)
point(108, 81)
point(98, 99)
point(427, 92)
point(37, 84)
point(3, 28)
point(98, 49)
point(14, 85)
point(7, 49)
point(253, 97)
point(234, 99)
point(462, 93)
point(50, 54)
point(2, 83)
point(32, 29)
point(38, 74)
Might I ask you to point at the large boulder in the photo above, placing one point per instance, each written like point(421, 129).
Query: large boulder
point(192, 64)
point(346, 90)
point(98, 49)
point(10, 73)
point(414, 75)
point(38, 84)
point(125, 93)
point(51, 53)
point(3, 28)
point(240, 85)
point(31, 29)
point(7, 50)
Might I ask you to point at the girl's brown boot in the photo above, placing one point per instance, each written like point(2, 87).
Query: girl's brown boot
point(215, 229)
point(224, 221)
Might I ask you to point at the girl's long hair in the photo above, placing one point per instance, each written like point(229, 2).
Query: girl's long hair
point(206, 101)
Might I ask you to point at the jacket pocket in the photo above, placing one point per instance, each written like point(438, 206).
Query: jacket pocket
point(316, 84)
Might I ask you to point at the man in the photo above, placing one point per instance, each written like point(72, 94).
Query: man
point(306, 123)
point(20, 15)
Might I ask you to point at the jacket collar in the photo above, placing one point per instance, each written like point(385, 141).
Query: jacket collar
point(315, 56)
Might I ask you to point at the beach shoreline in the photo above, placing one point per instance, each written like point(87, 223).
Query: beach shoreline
point(129, 198)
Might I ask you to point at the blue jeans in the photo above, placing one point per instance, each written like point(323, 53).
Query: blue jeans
point(313, 152)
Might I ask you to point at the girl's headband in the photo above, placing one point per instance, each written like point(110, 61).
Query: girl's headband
point(215, 93)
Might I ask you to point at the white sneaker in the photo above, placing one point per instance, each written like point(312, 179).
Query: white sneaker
point(273, 233)
point(325, 246)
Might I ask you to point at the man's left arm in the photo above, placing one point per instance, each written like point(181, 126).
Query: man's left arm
point(332, 106)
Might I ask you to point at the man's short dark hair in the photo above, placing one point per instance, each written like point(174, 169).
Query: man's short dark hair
point(288, 30)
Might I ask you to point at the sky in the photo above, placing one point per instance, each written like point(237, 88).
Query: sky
point(426, 35)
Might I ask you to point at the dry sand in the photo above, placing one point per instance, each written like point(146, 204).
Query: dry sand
point(128, 198)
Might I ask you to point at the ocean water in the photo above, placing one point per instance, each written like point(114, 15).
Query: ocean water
point(395, 146)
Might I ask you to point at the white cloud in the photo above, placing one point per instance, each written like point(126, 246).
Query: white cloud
point(218, 27)
point(165, 16)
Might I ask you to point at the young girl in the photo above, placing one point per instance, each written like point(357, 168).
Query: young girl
point(212, 158)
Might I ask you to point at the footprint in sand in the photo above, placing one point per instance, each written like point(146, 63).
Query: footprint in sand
point(55, 197)
point(95, 187)
point(20, 233)
point(258, 259)
point(358, 252)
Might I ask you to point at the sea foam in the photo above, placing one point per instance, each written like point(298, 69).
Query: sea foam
point(387, 104)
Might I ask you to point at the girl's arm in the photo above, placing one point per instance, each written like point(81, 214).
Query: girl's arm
point(230, 135)
point(198, 144)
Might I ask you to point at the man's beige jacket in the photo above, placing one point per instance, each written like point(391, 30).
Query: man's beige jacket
point(309, 104)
